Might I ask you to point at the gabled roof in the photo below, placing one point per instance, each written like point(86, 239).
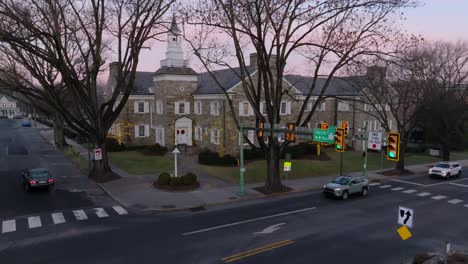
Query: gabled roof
point(175, 71)
point(143, 82)
point(339, 86)
point(227, 78)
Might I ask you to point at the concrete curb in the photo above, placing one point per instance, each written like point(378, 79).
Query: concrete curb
point(166, 210)
point(111, 195)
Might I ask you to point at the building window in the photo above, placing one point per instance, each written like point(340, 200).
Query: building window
point(214, 108)
point(343, 106)
point(160, 136)
point(141, 131)
point(367, 108)
point(309, 106)
point(285, 108)
point(182, 108)
point(198, 133)
point(251, 136)
point(378, 107)
point(141, 107)
point(215, 136)
point(159, 107)
point(321, 106)
point(245, 108)
point(198, 107)
point(263, 108)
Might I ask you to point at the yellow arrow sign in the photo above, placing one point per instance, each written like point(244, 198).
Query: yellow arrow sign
point(404, 232)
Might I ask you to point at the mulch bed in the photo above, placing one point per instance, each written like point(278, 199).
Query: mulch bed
point(395, 172)
point(284, 189)
point(179, 188)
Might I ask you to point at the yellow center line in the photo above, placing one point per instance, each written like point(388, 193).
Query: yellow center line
point(256, 251)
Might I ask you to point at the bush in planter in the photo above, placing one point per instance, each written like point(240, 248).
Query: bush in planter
point(155, 149)
point(175, 181)
point(164, 178)
point(189, 179)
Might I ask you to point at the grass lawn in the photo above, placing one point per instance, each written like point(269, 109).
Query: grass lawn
point(352, 162)
point(136, 163)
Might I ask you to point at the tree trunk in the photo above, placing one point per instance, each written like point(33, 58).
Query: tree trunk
point(445, 152)
point(273, 180)
point(401, 162)
point(101, 170)
point(59, 136)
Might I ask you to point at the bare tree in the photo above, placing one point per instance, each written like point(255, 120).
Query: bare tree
point(73, 37)
point(330, 33)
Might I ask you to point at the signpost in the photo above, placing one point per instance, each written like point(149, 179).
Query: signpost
point(175, 152)
point(97, 154)
point(405, 219)
point(287, 166)
point(325, 136)
point(375, 141)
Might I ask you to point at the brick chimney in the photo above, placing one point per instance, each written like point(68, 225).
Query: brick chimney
point(254, 60)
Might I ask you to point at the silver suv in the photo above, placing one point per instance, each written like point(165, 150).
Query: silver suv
point(344, 186)
point(446, 170)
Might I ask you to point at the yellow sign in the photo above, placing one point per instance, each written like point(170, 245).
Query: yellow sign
point(287, 165)
point(404, 232)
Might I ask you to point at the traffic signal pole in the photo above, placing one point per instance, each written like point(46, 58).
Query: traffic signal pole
point(241, 157)
point(341, 163)
point(366, 135)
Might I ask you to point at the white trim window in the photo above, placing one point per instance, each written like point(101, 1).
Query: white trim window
point(390, 124)
point(198, 107)
point(322, 106)
point(141, 131)
point(198, 133)
point(182, 108)
point(214, 133)
point(263, 108)
point(309, 106)
point(367, 107)
point(343, 106)
point(285, 108)
point(160, 138)
point(159, 107)
point(214, 108)
point(378, 107)
point(140, 107)
point(245, 109)
point(251, 136)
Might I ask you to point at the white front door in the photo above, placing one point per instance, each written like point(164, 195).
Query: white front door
point(181, 135)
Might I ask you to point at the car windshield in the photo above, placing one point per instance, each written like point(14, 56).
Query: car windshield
point(442, 165)
point(341, 180)
point(43, 175)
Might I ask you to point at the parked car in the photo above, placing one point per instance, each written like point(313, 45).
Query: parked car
point(445, 170)
point(37, 178)
point(26, 123)
point(344, 186)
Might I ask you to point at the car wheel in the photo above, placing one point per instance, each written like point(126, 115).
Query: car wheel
point(365, 191)
point(459, 173)
point(344, 195)
point(447, 176)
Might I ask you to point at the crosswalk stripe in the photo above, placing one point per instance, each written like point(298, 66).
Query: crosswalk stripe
point(120, 210)
point(34, 221)
point(466, 205)
point(439, 197)
point(455, 201)
point(385, 186)
point(398, 189)
point(8, 226)
point(409, 191)
point(58, 218)
point(80, 214)
point(424, 194)
point(100, 212)
point(374, 184)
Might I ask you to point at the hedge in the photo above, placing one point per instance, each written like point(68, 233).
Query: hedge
point(155, 150)
point(208, 157)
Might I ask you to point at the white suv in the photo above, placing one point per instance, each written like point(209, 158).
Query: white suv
point(446, 170)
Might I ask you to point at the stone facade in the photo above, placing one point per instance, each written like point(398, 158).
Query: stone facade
point(8, 108)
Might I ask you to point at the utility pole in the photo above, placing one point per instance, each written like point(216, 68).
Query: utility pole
point(241, 157)
point(366, 134)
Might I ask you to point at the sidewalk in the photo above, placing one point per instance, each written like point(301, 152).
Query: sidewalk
point(137, 192)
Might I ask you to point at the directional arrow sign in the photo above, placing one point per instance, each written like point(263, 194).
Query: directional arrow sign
point(269, 229)
point(405, 216)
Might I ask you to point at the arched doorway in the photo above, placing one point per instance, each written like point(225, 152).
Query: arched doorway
point(183, 131)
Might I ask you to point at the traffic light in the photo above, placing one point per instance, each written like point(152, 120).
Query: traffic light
point(344, 125)
point(261, 126)
point(340, 140)
point(393, 146)
point(324, 125)
point(290, 135)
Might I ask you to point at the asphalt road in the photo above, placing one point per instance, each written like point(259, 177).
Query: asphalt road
point(303, 228)
point(22, 148)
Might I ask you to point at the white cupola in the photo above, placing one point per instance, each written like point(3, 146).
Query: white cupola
point(174, 51)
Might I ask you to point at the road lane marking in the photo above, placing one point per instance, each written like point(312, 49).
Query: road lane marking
point(256, 251)
point(34, 221)
point(448, 182)
point(457, 184)
point(100, 212)
point(8, 226)
point(247, 221)
point(423, 194)
point(120, 210)
point(374, 184)
point(385, 186)
point(455, 201)
point(410, 191)
point(397, 189)
point(414, 183)
point(438, 197)
point(80, 215)
point(466, 205)
point(58, 218)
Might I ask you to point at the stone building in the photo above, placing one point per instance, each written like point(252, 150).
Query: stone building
point(177, 106)
point(8, 107)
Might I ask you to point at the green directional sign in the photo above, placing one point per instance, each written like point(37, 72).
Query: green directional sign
point(325, 135)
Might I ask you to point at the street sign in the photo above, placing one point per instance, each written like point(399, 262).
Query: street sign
point(325, 136)
point(375, 141)
point(97, 154)
point(287, 165)
point(405, 216)
point(404, 232)
point(176, 151)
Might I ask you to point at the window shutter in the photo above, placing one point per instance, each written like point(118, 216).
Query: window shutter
point(176, 108)
point(196, 133)
point(288, 107)
point(135, 107)
point(240, 109)
point(212, 136)
point(136, 131)
point(147, 131)
point(146, 107)
point(262, 110)
point(251, 111)
point(390, 124)
point(187, 108)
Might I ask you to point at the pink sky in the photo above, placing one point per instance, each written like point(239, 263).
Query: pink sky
point(434, 20)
